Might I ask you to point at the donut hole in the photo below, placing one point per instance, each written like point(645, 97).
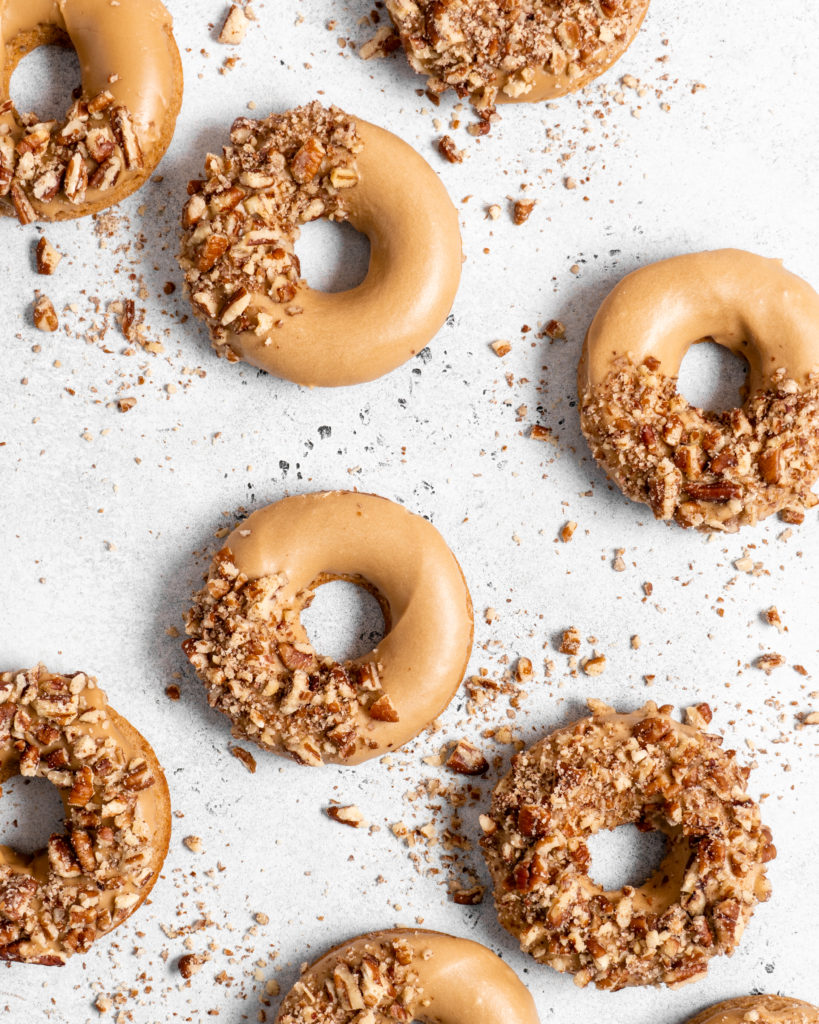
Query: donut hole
point(625, 856)
point(334, 256)
point(712, 377)
point(344, 620)
point(44, 80)
point(31, 811)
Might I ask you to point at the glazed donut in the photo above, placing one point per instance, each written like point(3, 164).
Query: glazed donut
point(249, 648)
point(712, 471)
point(243, 276)
point(762, 1009)
point(118, 817)
point(609, 770)
point(115, 134)
point(532, 50)
point(408, 974)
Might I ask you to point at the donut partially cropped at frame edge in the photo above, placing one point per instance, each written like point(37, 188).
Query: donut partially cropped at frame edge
point(494, 51)
point(760, 1009)
point(612, 769)
point(409, 974)
point(242, 221)
point(714, 471)
point(58, 901)
point(115, 133)
point(250, 649)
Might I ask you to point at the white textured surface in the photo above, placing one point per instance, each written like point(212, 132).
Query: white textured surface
point(101, 551)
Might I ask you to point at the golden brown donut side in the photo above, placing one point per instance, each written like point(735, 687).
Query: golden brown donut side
point(712, 471)
point(248, 645)
point(511, 53)
point(244, 218)
point(116, 133)
point(90, 879)
point(761, 1009)
point(408, 974)
point(602, 772)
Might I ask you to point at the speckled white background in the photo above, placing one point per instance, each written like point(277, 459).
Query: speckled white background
point(109, 519)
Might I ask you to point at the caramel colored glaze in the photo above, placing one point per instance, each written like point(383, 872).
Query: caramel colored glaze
point(548, 86)
point(762, 1009)
point(751, 305)
point(153, 806)
point(347, 535)
point(132, 39)
point(457, 981)
point(358, 335)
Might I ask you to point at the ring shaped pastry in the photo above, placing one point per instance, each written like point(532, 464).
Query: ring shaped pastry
point(243, 275)
point(532, 50)
point(117, 817)
point(712, 471)
point(409, 974)
point(250, 649)
point(115, 134)
point(764, 1009)
point(602, 772)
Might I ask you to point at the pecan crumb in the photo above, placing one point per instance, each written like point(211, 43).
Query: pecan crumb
point(45, 316)
point(522, 210)
point(768, 662)
point(235, 26)
point(466, 759)
point(190, 963)
point(570, 641)
point(247, 759)
point(193, 843)
point(501, 348)
point(567, 532)
point(48, 258)
point(448, 150)
point(350, 815)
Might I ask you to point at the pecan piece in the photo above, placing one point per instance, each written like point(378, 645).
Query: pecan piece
point(466, 759)
point(383, 710)
point(350, 815)
point(214, 248)
point(48, 258)
point(45, 316)
point(306, 163)
point(718, 492)
point(126, 136)
point(83, 788)
point(448, 150)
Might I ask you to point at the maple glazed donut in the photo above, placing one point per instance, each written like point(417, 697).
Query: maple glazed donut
point(115, 133)
point(709, 470)
point(250, 649)
point(602, 772)
point(88, 880)
point(408, 974)
point(242, 221)
point(762, 1009)
point(531, 50)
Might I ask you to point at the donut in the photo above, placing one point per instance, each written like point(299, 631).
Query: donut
point(763, 1009)
point(531, 50)
point(115, 133)
point(92, 877)
point(250, 649)
point(242, 274)
point(708, 470)
point(408, 974)
point(614, 769)
point(759, 1010)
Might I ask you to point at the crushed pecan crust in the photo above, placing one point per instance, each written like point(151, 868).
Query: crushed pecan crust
point(251, 652)
point(243, 218)
point(482, 47)
point(602, 772)
point(101, 867)
point(365, 986)
point(714, 471)
point(44, 161)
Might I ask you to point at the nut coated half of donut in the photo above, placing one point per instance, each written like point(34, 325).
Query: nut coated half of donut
point(763, 1009)
point(531, 50)
point(408, 974)
point(96, 873)
point(242, 221)
point(712, 471)
point(115, 134)
point(250, 649)
point(614, 769)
